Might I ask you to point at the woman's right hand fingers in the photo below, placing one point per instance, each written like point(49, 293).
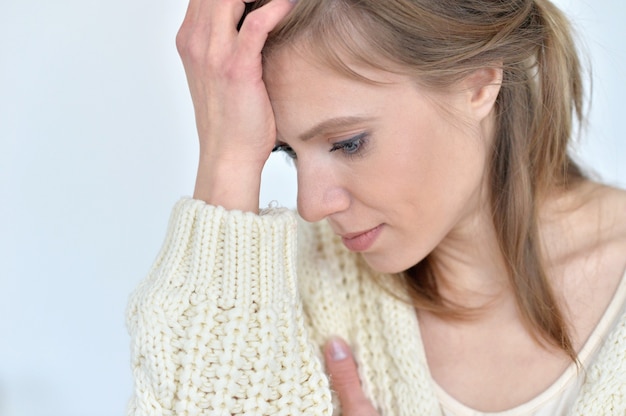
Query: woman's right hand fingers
point(259, 23)
point(222, 75)
point(233, 113)
point(213, 20)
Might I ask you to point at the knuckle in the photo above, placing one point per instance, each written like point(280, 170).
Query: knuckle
point(190, 49)
point(196, 48)
point(181, 40)
point(184, 32)
point(256, 23)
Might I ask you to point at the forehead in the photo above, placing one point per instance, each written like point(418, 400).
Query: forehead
point(294, 73)
point(351, 62)
point(306, 93)
point(302, 86)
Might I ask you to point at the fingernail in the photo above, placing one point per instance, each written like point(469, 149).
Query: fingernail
point(338, 351)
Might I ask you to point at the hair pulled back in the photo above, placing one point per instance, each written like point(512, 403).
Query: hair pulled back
point(440, 42)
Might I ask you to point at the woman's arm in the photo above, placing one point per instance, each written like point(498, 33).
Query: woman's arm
point(217, 326)
point(234, 118)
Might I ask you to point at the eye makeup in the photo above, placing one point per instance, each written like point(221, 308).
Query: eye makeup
point(351, 147)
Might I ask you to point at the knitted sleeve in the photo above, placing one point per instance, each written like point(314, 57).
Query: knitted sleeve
point(217, 325)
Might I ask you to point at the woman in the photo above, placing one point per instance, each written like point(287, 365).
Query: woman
point(451, 250)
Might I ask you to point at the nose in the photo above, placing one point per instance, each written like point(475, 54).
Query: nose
point(320, 193)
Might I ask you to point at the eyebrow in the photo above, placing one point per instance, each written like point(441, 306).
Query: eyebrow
point(333, 124)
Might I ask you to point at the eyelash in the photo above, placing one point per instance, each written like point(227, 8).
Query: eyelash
point(351, 147)
point(286, 149)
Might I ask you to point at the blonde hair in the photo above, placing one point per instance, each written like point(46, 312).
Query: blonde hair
point(441, 42)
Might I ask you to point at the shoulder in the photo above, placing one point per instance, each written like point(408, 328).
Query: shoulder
point(586, 221)
point(612, 203)
point(604, 220)
point(584, 237)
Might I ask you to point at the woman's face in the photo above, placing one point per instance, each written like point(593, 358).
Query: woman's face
point(392, 172)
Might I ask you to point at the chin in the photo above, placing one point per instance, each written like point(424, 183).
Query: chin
point(388, 264)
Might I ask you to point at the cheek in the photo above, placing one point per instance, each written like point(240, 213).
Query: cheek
point(450, 157)
point(436, 178)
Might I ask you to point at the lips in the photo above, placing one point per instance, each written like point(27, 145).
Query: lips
point(361, 241)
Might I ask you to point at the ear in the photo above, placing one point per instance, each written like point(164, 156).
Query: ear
point(483, 87)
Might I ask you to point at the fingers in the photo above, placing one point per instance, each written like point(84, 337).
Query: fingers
point(259, 23)
point(222, 17)
point(210, 20)
point(210, 28)
point(345, 379)
point(234, 117)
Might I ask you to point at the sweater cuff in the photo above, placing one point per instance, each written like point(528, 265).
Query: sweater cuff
point(217, 325)
point(237, 258)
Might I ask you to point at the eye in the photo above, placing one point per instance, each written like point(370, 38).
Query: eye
point(352, 146)
point(286, 149)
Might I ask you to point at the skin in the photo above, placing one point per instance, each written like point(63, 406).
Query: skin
point(420, 174)
point(415, 173)
point(224, 74)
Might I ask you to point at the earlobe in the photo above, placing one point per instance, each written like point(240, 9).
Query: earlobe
point(484, 85)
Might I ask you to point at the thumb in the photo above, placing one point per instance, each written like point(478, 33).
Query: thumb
point(345, 379)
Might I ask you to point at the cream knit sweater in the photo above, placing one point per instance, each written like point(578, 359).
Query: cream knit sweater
point(231, 317)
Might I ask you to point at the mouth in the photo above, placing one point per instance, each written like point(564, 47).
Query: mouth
point(362, 240)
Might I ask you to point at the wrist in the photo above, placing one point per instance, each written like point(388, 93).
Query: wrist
point(234, 186)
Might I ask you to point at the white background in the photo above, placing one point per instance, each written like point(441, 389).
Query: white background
point(97, 142)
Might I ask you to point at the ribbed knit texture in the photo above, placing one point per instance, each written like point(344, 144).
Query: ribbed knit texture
point(217, 326)
point(231, 318)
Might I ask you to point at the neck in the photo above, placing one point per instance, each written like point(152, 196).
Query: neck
point(469, 267)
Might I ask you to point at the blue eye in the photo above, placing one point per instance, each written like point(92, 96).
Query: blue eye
point(352, 146)
point(286, 149)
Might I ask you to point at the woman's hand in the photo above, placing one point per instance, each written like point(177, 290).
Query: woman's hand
point(234, 118)
point(345, 380)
